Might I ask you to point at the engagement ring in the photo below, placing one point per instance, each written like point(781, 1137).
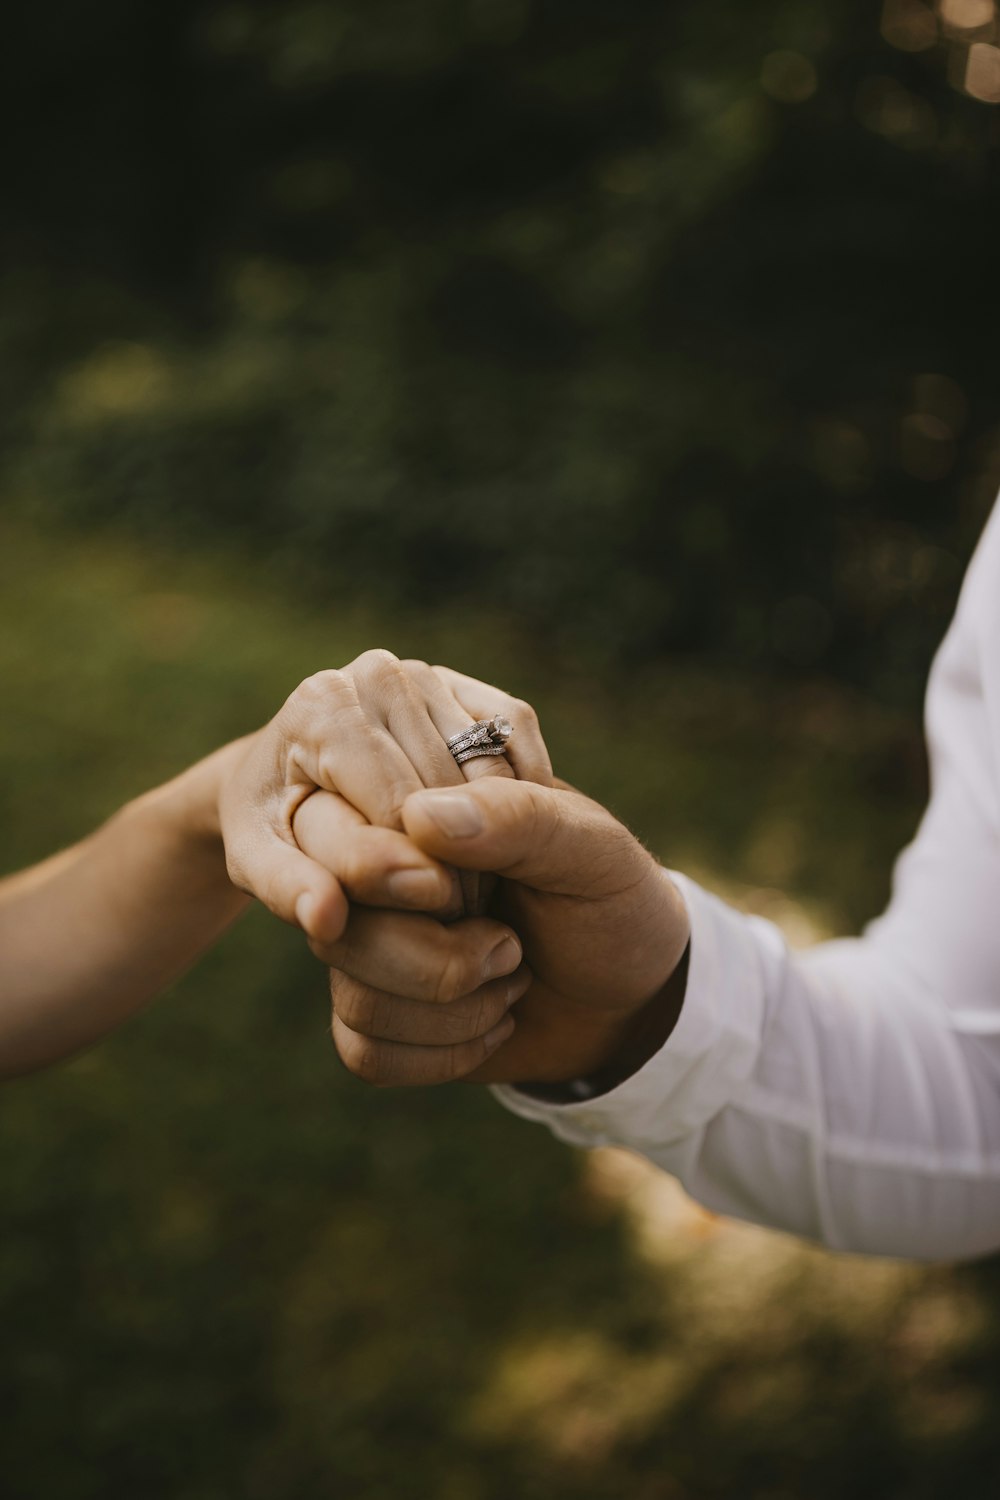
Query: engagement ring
point(488, 737)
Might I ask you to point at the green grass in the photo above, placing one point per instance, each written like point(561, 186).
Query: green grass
point(228, 1269)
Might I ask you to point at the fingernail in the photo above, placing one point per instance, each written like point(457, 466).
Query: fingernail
point(415, 888)
point(503, 960)
point(501, 1031)
point(456, 815)
point(305, 906)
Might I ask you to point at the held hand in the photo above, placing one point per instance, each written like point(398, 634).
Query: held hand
point(367, 736)
point(601, 926)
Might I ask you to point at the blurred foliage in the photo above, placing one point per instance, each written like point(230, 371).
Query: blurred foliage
point(656, 325)
point(227, 1268)
point(660, 333)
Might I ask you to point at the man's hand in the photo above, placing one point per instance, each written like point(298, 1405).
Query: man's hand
point(601, 928)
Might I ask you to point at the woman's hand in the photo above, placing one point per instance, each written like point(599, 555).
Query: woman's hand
point(92, 934)
point(372, 733)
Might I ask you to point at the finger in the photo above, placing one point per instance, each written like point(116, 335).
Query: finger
point(365, 732)
point(421, 719)
point(447, 716)
point(396, 1064)
point(291, 885)
point(550, 840)
point(526, 749)
point(337, 744)
point(420, 713)
point(409, 718)
point(393, 1018)
point(419, 957)
point(374, 866)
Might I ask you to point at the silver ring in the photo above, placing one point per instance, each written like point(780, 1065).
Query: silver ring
point(487, 737)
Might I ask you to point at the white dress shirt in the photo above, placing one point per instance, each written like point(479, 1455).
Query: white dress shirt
point(851, 1093)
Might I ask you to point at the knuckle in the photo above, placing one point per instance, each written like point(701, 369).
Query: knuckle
point(362, 737)
point(522, 713)
point(316, 699)
point(357, 1007)
point(364, 1057)
point(321, 686)
point(378, 666)
point(428, 966)
point(425, 978)
point(461, 1021)
point(452, 980)
point(414, 667)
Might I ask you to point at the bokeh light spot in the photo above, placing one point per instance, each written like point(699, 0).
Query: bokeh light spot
point(788, 77)
point(968, 15)
point(888, 109)
point(982, 72)
point(909, 25)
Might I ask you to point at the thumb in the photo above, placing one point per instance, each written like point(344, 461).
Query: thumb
point(292, 886)
point(549, 838)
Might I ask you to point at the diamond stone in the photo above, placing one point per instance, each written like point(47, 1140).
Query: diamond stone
point(502, 729)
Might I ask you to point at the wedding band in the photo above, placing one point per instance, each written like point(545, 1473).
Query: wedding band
point(461, 756)
point(487, 737)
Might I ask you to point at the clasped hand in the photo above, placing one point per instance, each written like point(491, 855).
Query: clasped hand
point(479, 922)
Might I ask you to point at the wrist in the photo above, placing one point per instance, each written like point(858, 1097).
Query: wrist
point(649, 1030)
point(607, 1048)
point(187, 811)
point(615, 1052)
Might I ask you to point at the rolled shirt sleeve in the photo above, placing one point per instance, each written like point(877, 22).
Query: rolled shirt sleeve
point(850, 1093)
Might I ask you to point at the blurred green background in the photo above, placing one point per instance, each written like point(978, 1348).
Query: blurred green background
point(640, 358)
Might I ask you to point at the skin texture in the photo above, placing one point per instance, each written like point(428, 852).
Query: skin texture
point(599, 933)
point(90, 935)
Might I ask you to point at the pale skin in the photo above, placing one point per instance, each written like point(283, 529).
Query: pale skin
point(92, 934)
point(568, 966)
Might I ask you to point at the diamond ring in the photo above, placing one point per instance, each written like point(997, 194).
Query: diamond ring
point(487, 737)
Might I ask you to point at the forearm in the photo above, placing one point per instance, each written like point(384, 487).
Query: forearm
point(91, 935)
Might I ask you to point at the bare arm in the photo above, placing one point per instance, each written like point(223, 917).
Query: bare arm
point(91, 935)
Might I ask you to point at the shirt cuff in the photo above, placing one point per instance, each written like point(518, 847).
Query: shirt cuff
point(735, 965)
